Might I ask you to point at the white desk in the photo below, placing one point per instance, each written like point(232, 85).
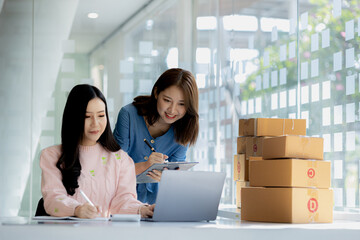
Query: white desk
point(221, 229)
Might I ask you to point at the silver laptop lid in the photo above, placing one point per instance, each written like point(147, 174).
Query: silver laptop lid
point(188, 196)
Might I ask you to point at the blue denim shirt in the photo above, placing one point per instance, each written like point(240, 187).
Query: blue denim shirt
point(130, 131)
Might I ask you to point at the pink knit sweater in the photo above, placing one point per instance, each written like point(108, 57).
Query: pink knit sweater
point(107, 178)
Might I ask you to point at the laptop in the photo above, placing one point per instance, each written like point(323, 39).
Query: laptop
point(188, 196)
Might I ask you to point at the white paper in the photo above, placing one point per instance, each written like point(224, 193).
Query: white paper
point(274, 34)
point(126, 66)
point(314, 42)
point(337, 61)
point(338, 169)
point(326, 117)
point(315, 68)
point(338, 142)
point(350, 112)
point(349, 30)
point(283, 75)
point(283, 99)
point(266, 80)
point(258, 105)
point(274, 101)
point(326, 90)
point(349, 57)
point(251, 106)
point(304, 70)
point(304, 20)
point(274, 78)
point(350, 141)
point(251, 42)
point(292, 52)
point(337, 8)
point(67, 84)
point(266, 58)
point(305, 115)
point(315, 92)
point(292, 26)
point(327, 142)
point(304, 94)
point(338, 113)
point(145, 47)
point(68, 46)
point(258, 83)
point(350, 84)
point(292, 97)
point(68, 65)
point(282, 52)
point(145, 86)
point(325, 38)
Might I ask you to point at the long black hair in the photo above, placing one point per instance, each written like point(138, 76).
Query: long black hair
point(187, 128)
point(72, 132)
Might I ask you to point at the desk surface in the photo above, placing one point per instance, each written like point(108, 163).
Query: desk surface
point(221, 229)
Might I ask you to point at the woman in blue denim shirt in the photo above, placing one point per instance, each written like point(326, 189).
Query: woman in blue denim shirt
point(168, 119)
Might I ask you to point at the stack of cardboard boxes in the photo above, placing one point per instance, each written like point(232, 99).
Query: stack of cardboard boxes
point(289, 181)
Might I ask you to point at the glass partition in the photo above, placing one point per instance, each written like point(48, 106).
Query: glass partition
point(260, 58)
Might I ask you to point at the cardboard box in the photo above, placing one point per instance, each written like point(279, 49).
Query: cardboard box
point(241, 145)
point(254, 147)
point(239, 185)
point(293, 147)
point(290, 173)
point(241, 126)
point(241, 168)
point(288, 205)
point(274, 127)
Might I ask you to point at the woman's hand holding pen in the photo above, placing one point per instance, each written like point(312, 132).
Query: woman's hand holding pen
point(87, 211)
point(156, 157)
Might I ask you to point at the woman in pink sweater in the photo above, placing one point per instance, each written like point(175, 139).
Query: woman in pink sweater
point(88, 159)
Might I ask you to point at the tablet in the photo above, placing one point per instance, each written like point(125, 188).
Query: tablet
point(143, 178)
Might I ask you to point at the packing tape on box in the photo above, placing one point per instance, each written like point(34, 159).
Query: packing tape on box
point(311, 173)
point(305, 141)
point(312, 205)
point(292, 127)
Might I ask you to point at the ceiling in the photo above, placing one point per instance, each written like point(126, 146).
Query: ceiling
point(90, 32)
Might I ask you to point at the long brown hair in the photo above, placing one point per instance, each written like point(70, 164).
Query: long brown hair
point(187, 128)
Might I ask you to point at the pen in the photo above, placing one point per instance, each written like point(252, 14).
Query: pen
point(152, 148)
point(86, 198)
point(147, 143)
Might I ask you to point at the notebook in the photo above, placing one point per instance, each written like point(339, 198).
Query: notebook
point(182, 166)
point(52, 219)
point(188, 196)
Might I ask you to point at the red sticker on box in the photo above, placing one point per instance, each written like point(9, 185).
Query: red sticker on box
point(238, 167)
point(311, 173)
point(313, 205)
point(255, 148)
